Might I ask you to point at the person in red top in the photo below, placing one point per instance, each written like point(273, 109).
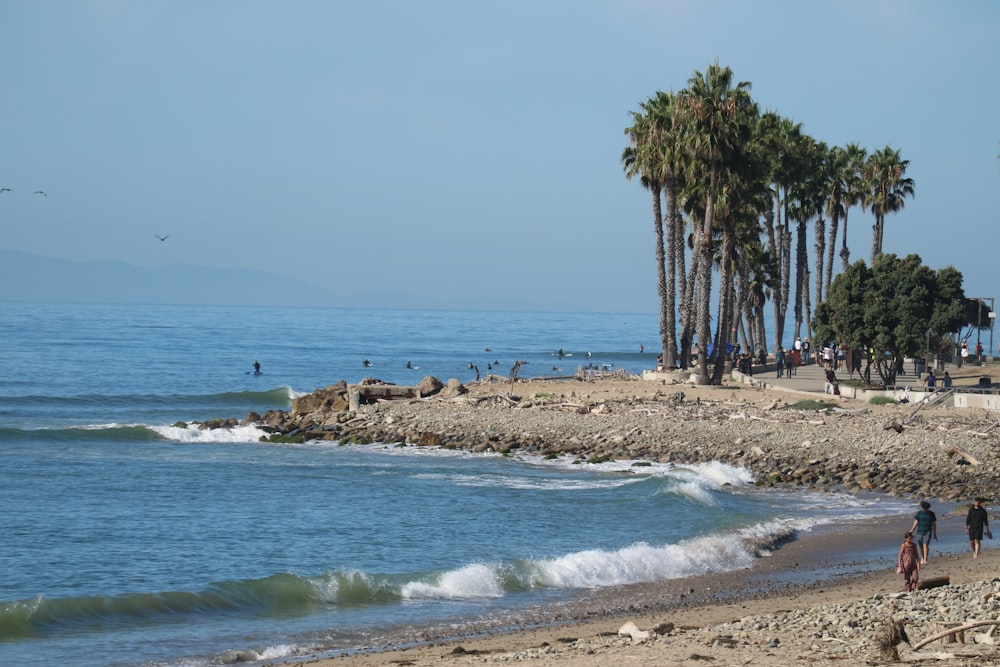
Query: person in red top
point(908, 563)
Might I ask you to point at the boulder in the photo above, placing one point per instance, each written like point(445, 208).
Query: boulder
point(454, 388)
point(430, 385)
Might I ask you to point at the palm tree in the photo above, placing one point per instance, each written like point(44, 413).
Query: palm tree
point(715, 124)
point(887, 187)
point(651, 154)
point(778, 138)
point(837, 163)
point(853, 191)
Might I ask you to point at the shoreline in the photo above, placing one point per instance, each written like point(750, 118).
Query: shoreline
point(903, 451)
point(584, 632)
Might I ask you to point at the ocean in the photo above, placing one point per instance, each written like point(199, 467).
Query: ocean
point(132, 537)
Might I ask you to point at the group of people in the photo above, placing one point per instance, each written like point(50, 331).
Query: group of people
point(914, 551)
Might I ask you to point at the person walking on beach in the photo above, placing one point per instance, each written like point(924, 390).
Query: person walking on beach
point(924, 528)
point(908, 563)
point(779, 361)
point(946, 381)
point(931, 380)
point(976, 523)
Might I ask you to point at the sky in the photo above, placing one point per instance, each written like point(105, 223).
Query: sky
point(464, 154)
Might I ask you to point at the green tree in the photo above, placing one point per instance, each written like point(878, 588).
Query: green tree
point(889, 309)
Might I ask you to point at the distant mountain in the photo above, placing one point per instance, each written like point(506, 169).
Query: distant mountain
point(27, 277)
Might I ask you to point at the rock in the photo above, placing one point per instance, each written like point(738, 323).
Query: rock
point(454, 388)
point(630, 629)
point(430, 386)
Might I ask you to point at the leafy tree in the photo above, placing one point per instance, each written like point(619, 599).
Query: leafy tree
point(890, 308)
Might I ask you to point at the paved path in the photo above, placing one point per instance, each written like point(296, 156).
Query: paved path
point(807, 379)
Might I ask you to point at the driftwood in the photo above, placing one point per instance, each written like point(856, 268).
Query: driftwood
point(914, 413)
point(933, 582)
point(953, 631)
point(953, 450)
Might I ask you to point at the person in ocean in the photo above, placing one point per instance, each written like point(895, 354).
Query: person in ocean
point(908, 563)
point(256, 367)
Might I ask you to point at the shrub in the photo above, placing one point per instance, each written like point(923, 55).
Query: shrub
point(882, 400)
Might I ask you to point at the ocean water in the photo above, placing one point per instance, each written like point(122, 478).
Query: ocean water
point(131, 537)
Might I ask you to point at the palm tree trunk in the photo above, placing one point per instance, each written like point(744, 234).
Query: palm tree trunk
point(673, 215)
point(801, 281)
point(703, 298)
point(688, 313)
point(830, 250)
point(820, 242)
point(876, 242)
point(726, 334)
point(661, 269)
point(845, 254)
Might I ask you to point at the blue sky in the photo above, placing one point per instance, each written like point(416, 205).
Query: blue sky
point(465, 153)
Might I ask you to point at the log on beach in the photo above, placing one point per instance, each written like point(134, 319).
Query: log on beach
point(933, 582)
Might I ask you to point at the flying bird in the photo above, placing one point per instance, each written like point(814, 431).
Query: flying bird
point(39, 192)
point(5, 190)
point(162, 238)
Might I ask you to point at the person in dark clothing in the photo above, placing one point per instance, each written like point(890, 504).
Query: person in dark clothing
point(977, 522)
point(923, 529)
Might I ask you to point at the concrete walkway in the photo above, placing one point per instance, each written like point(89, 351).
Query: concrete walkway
point(807, 379)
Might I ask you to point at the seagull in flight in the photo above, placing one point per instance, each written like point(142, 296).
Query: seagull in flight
point(40, 192)
point(162, 238)
point(5, 190)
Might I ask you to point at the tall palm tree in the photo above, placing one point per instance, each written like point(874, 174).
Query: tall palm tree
point(778, 138)
point(887, 187)
point(652, 153)
point(715, 125)
point(854, 191)
point(837, 163)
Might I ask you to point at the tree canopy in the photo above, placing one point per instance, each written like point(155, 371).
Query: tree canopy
point(896, 308)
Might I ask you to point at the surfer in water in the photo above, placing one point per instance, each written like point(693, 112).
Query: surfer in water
point(256, 367)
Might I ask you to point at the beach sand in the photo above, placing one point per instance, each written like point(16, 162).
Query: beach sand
point(820, 573)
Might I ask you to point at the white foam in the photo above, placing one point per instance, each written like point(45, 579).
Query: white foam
point(471, 581)
point(529, 483)
point(642, 562)
point(192, 433)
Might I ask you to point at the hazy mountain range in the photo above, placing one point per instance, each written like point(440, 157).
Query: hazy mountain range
point(29, 277)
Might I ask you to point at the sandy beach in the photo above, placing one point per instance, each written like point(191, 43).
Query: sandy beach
point(814, 600)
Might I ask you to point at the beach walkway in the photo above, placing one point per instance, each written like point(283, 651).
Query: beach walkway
point(807, 379)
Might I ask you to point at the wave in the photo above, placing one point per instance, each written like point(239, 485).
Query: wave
point(103, 433)
point(288, 593)
point(277, 396)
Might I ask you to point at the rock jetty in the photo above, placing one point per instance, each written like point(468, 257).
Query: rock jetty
point(782, 439)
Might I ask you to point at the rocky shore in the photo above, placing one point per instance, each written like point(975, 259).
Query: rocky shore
point(784, 439)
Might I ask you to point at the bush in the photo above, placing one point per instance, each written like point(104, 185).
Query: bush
point(882, 400)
